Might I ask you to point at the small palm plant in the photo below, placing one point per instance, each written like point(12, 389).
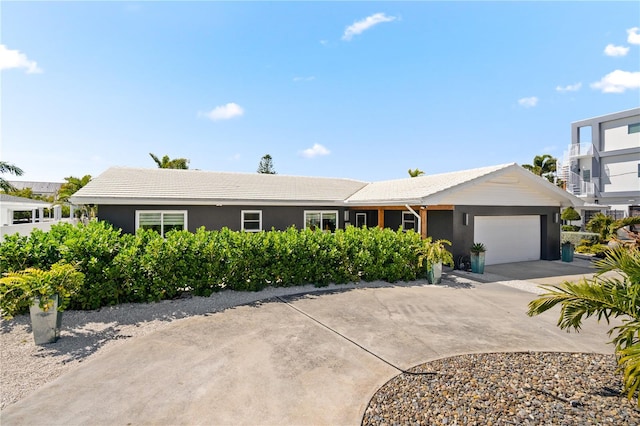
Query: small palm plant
point(604, 297)
point(434, 252)
point(18, 290)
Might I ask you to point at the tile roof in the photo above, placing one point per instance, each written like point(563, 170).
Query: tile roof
point(37, 187)
point(5, 198)
point(121, 185)
point(129, 185)
point(414, 190)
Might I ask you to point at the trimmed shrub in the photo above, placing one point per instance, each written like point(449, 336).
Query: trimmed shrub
point(146, 267)
point(576, 238)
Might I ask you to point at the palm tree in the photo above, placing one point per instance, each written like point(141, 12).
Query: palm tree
point(167, 163)
point(8, 168)
point(604, 297)
point(543, 165)
point(70, 187)
point(415, 172)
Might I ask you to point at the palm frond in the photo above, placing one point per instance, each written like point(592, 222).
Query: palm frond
point(629, 363)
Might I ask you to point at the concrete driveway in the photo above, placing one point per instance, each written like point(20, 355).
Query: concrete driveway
point(309, 359)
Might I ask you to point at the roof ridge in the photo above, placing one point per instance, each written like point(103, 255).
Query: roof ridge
point(266, 175)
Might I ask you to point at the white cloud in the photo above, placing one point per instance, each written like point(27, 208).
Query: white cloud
point(315, 151)
point(359, 27)
point(633, 36)
point(224, 112)
point(310, 78)
point(324, 42)
point(528, 102)
point(618, 81)
point(612, 50)
point(15, 59)
point(569, 88)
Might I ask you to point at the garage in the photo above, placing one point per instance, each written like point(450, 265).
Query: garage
point(508, 238)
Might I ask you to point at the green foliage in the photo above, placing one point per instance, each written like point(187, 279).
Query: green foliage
point(146, 267)
point(579, 238)
point(604, 297)
point(168, 163)
point(19, 289)
point(478, 248)
point(607, 227)
point(570, 214)
point(597, 249)
point(8, 168)
point(543, 165)
point(434, 252)
point(415, 172)
point(266, 165)
point(570, 228)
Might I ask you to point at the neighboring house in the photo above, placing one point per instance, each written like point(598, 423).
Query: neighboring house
point(602, 166)
point(10, 204)
point(514, 212)
point(44, 189)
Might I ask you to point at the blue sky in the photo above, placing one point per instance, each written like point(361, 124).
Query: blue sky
point(363, 90)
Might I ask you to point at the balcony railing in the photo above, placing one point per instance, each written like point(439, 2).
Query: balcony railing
point(578, 187)
point(577, 150)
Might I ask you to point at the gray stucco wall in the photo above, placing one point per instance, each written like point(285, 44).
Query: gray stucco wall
point(213, 217)
point(440, 224)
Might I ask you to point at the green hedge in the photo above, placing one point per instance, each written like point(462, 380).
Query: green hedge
point(145, 267)
point(576, 238)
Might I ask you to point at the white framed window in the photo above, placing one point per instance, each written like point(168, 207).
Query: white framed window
point(326, 220)
point(252, 220)
point(161, 221)
point(408, 221)
point(361, 220)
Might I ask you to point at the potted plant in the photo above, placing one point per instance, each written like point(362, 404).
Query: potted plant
point(477, 258)
point(567, 249)
point(46, 293)
point(434, 254)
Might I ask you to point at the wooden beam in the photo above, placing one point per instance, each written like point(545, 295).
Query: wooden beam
point(381, 217)
point(441, 207)
point(423, 223)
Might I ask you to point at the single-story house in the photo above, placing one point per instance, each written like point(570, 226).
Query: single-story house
point(515, 213)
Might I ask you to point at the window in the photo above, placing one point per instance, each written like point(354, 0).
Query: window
point(634, 128)
point(361, 220)
point(325, 220)
point(252, 220)
point(408, 221)
point(161, 221)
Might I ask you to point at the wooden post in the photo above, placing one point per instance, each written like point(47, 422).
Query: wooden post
point(423, 222)
point(381, 217)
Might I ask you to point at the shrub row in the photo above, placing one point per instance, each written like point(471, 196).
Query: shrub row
point(145, 267)
point(576, 238)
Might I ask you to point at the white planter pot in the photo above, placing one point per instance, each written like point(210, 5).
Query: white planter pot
point(45, 324)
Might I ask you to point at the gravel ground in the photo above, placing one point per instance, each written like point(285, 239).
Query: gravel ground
point(506, 389)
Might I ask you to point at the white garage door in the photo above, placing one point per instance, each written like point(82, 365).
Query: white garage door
point(508, 238)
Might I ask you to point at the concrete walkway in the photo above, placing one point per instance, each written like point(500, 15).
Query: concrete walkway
point(310, 359)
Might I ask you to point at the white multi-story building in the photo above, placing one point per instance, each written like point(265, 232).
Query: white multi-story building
point(602, 165)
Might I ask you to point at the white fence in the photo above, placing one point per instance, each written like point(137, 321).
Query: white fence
point(26, 228)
